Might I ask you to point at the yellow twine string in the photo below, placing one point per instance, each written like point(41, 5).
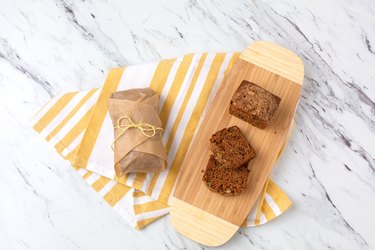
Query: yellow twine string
point(146, 129)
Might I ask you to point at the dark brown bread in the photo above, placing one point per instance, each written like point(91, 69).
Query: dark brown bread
point(254, 104)
point(225, 181)
point(230, 148)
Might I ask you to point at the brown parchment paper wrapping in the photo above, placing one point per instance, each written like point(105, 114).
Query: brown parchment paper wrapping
point(133, 151)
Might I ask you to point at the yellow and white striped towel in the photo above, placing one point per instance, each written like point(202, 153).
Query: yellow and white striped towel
point(79, 127)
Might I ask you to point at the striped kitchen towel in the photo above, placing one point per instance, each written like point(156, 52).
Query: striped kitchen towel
point(78, 125)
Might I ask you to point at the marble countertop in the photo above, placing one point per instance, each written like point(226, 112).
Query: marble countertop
point(328, 170)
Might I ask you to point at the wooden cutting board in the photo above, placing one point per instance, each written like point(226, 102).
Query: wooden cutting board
point(207, 217)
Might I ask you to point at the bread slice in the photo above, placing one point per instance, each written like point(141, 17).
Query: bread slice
point(254, 104)
point(230, 148)
point(225, 181)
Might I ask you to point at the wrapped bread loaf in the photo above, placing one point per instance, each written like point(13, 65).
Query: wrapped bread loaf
point(138, 145)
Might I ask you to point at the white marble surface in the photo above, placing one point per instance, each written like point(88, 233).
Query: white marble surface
point(54, 46)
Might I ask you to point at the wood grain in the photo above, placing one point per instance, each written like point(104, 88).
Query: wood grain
point(282, 76)
point(186, 218)
point(275, 59)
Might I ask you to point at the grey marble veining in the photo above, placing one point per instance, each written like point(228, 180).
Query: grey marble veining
point(328, 169)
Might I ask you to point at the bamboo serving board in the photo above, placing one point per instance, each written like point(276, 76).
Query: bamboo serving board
point(207, 217)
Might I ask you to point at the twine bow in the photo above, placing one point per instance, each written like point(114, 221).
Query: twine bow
point(146, 129)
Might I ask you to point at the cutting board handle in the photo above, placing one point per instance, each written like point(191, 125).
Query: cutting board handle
point(276, 59)
point(198, 225)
